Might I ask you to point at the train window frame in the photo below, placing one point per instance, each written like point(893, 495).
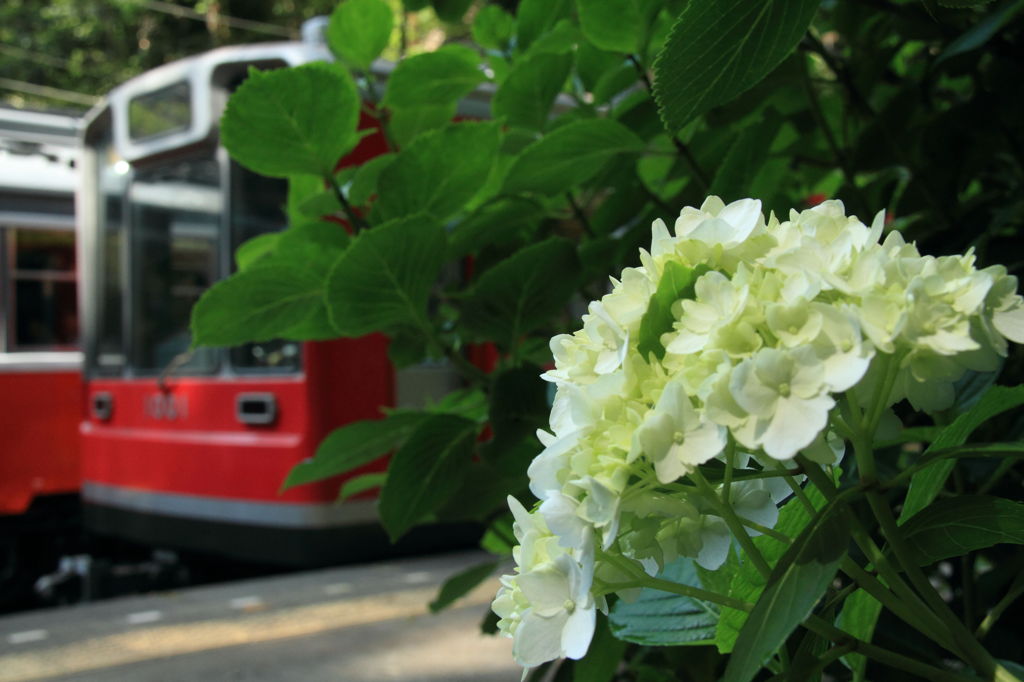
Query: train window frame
point(11, 275)
point(214, 363)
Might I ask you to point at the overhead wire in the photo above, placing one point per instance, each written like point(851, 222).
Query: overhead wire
point(153, 5)
point(48, 91)
point(232, 22)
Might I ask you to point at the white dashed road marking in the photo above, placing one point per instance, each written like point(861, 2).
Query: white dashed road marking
point(416, 577)
point(244, 603)
point(143, 617)
point(27, 636)
point(337, 588)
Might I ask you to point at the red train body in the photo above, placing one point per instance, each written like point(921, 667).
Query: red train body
point(189, 451)
point(41, 395)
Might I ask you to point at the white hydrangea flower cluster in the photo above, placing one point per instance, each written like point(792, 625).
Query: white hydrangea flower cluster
point(782, 317)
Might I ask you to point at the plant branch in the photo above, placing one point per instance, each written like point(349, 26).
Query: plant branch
point(885, 656)
point(1014, 593)
point(698, 173)
point(908, 605)
point(358, 224)
point(581, 217)
point(641, 579)
point(734, 523)
point(973, 652)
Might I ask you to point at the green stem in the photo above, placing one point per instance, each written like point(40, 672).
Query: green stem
point(1015, 591)
point(725, 510)
point(754, 475)
point(972, 450)
point(730, 457)
point(798, 492)
point(972, 651)
point(641, 579)
point(877, 653)
point(906, 604)
point(890, 368)
point(684, 590)
point(997, 475)
point(358, 224)
point(765, 530)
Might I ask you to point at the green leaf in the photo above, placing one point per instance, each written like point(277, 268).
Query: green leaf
point(451, 11)
point(720, 48)
point(1015, 668)
point(324, 202)
point(677, 283)
point(982, 32)
point(313, 245)
point(603, 657)
point(354, 445)
point(735, 176)
point(362, 484)
point(461, 584)
point(535, 17)
point(258, 304)
point(519, 403)
point(525, 97)
point(927, 483)
point(520, 293)
point(381, 283)
point(747, 583)
point(301, 187)
point(359, 30)
point(613, 25)
point(592, 64)
point(434, 78)
point(439, 172)
point(561, 39)
point(252, 250)
point(499, 222)
point(797, 582)
point(493, 27)
point(364, 183)
point(298, 120)
point(570, 155)
point(659, 618)
point(408, 123)
point(958, 525)
point(858, 617)
point(425, 471)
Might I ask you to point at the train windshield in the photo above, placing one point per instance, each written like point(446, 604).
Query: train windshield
point(165, 230)
point(175, 209)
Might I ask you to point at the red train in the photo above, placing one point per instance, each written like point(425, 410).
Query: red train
point(189, 449)
point(40, 364)
point(171, 448)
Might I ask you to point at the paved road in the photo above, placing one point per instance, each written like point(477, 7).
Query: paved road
point(354, 624)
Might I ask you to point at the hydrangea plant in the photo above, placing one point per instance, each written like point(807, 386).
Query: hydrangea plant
point(694, 480)
point(741, 350)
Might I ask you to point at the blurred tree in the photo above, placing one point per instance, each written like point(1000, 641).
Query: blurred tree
point(64, 53)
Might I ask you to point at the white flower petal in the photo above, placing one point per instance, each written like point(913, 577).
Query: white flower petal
point(538, 639)
point(795, 424)
point(578, 631)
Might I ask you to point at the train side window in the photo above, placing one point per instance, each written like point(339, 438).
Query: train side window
point(42, 289)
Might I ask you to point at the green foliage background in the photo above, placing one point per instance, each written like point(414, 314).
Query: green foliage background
point(605, 115)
